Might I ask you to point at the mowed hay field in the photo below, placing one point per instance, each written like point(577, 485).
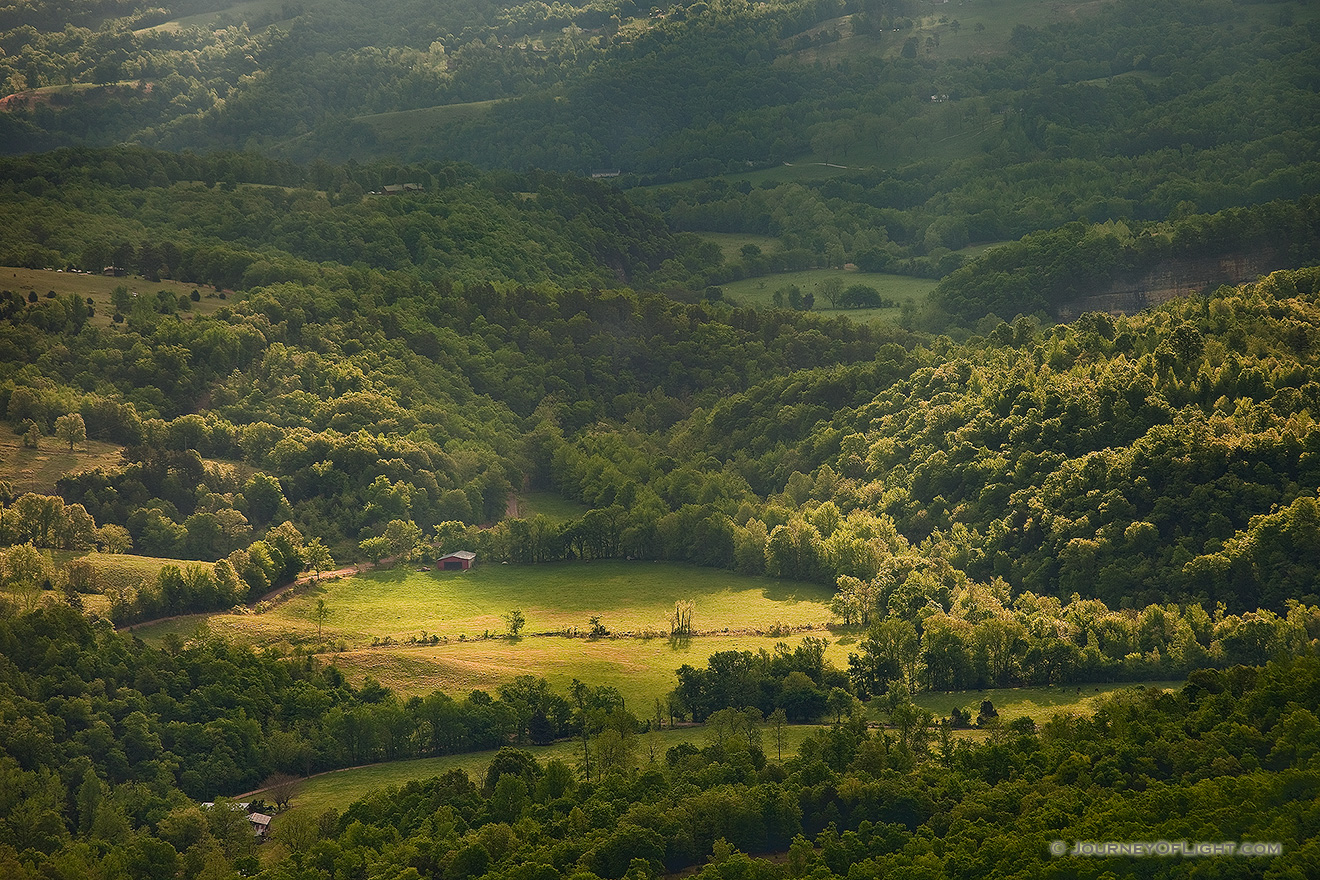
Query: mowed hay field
point(629, 597)
point(37, 470)
point(338, 789)
point(98, 287)
point(464, 611)
point(641, 669)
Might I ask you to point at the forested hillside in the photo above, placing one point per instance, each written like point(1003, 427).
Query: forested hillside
point(1165, 456)
point(942, 127)
point(97, 726)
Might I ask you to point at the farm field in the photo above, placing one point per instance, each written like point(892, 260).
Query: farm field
point(340, 788)
point(900, 288)
point(374, 615)
point(632, 597)
point(36, 470)
point(1037, 703)
point(98, 287)
point(641, 669)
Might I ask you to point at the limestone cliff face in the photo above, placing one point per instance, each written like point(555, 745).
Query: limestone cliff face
point(1172, 279)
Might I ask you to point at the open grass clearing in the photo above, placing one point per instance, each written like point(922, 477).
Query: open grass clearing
point(339, 789)
point(98, 287)
point(732, 243)
point(627, 596)
point(403, 125)
point(641, 669)
point(253, 12)
point(37, 470)
point(123, 570)
point(899, 288)
point(1037, 703)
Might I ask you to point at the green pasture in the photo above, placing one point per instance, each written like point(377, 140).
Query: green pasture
point(405, 125)
point(249, 11)
point(760, 291)
point(36, 470)
point(632, 597)
point(341, 788)
point(122, 570)
point(731, 243)
point(1037, 703)
point(641, 669)
point(98, 287)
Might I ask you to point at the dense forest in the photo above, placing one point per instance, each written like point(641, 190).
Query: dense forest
point(97, 726)
point(1135, 460)
point(941, 134)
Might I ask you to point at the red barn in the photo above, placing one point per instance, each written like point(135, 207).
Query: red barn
point(459, 560)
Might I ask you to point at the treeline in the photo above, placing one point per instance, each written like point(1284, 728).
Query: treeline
point(1046, 270)
point(884, 802)
point(241, 576)
point(95, 780)
point(989, 641)
point(206, 718)
point(191, 219)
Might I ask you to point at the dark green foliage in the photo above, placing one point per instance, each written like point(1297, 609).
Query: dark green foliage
point(1046, 270)
point(853, 800)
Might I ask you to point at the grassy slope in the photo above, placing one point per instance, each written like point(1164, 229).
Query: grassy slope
point(1038, 703)
point(760, 291)
point(98, 287)
point(122, 571)
point(641, 669)
point(36, 470)
point(628, 596)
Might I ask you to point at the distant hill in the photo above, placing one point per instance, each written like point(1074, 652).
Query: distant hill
point(947, 125)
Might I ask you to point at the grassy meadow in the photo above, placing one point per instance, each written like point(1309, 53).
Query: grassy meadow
point(374, 615)
point(1037, 703)
point(36, 470)
point(731, 243)
point(641, 669)
point(636, 597)
point(340, 788)
point(122, 570)
point(760, 291)
point(250, 11)
point(98, 287)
